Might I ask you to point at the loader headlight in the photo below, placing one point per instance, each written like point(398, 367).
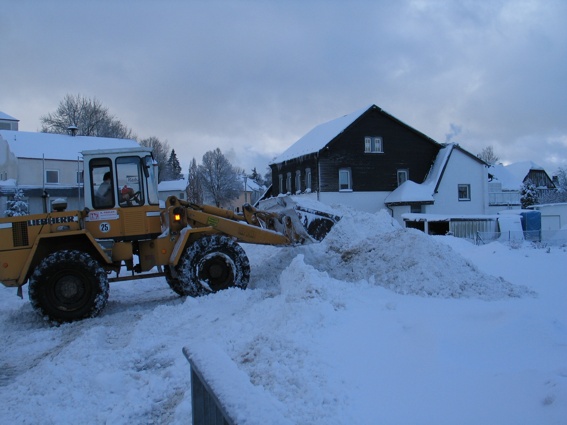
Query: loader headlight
point(178, 214)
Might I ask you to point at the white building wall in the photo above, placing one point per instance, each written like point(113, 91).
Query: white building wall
point(553, 216)
point(362, 201)
point(8, 162)
point(31, 171)
point(461, 169)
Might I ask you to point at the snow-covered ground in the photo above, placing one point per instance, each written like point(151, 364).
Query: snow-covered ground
point(374, 325)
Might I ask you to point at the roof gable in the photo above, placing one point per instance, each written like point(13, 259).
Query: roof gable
point(410, 191)
point(512, 176)
point(7, 117)
point(320, 136)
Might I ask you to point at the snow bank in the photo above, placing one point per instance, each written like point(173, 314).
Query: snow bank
point(374, 248)
point(376, 324)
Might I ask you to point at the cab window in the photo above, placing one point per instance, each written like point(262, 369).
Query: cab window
point(102, 183)
point(129, 181)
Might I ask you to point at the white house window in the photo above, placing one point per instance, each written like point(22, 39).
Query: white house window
point(288, 183)
point(403, 175)
point(80, 177)
point(280, 177)
point(345, 181)
point(373, 145)
point(52, 176)
point(464, 192)
point(308, 178)
point(298, 181)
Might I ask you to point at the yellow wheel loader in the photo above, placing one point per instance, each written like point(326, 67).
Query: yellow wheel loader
point(68, 258)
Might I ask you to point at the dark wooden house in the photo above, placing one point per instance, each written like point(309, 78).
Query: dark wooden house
point(367, 151)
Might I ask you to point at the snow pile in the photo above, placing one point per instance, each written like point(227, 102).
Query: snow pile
point(373, 247)
point(376, 324)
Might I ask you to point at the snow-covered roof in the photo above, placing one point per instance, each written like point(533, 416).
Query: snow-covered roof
point(7, 117)
point(252, 186)
point(172, 185)
point(410, 191)
point(512, 176)
point(320, 136)
point(25, 144)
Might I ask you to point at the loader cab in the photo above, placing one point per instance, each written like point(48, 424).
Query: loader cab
point(119, 178)
point(121, 192)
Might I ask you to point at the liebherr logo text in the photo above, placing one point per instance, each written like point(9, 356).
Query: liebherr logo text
point(52, 220)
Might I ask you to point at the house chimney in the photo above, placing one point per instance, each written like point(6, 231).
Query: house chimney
point(73, 130)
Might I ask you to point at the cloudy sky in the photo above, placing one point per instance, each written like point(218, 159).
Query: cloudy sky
point(252, 77)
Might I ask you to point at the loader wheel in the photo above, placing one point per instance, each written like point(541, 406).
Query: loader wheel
point(210, 264)
point(173, 282)
point(68, 286)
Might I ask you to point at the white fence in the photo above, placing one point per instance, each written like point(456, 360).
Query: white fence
point(545, 237)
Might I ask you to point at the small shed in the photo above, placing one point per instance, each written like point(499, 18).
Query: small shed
point(461, 226)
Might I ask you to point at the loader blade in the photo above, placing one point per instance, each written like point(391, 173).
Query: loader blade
point(311, 220)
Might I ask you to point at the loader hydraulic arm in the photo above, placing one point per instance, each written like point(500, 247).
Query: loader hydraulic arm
point(252, 226)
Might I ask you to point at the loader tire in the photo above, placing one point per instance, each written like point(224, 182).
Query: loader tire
point(67, 286)
point(173, 282)
point(210, 264)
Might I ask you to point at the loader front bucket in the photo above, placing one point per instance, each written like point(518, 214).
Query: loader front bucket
point(310, 220)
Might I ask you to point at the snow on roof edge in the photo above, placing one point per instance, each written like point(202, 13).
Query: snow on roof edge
point(318, 137)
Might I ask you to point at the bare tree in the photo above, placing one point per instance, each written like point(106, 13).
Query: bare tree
point(89, 117)
point(161, 154)
point(488, 155)
point(220, 180)
point(561, 181)
point(194, 186)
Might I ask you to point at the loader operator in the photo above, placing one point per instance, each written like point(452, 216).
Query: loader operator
point(104, 192)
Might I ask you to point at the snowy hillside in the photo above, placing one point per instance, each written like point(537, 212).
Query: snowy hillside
point(376, 324)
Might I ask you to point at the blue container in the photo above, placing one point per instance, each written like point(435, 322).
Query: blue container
point(531, 225)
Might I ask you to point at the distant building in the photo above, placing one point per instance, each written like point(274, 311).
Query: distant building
point(505, 183)
point(370, 160)
point(46, 166)
point(7, 122)
point(176, 188)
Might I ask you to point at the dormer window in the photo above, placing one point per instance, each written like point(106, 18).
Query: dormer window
point(373, 145)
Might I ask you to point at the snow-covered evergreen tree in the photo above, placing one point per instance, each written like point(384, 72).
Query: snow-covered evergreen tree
point(174, 167)
point(257, 177)
point(528, 194)
point(18, 205)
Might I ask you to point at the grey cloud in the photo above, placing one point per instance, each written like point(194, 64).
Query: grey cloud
point(252, 77)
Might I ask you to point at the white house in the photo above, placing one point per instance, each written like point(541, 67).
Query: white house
point(8, 122)
point(456, 185)
point(46, 166)
point(176, 188)
point(505, 183)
